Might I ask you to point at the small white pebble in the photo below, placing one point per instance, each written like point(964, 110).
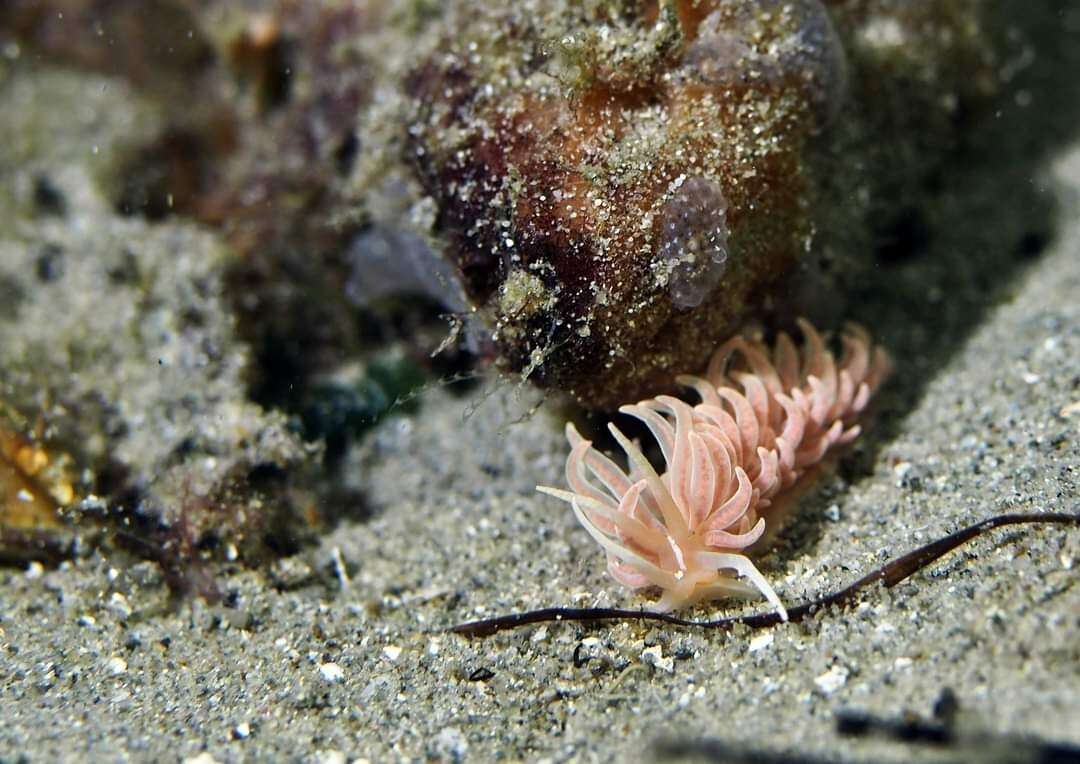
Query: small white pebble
point(202, 758)
point(331, 672)
point(231, 553)
point(116, 665)
point(119, 606)
point(902, 662)
point(832, 514)
point(1066, 561)
point(654, 656)
point(35, 570)
point(330, 757)
point(392, 652)
point(451, 743)
point(86, 620)
point(883, 32)
point(340, 569)
point(242, 731)
point(1031, 379)
point(884, 628)
point(539, 635)
point(1070, 410)
point(832, 680)
point(760, 643)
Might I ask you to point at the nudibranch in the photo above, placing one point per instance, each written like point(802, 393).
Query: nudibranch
point(766, 419)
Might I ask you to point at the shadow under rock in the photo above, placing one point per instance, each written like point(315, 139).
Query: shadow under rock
point(989, 214)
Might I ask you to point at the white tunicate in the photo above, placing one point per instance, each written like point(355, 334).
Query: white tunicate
point(772, 42)
point(693, 244)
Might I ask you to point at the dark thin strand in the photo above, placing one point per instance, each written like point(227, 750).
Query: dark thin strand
point(890, 574)
point(45, 546)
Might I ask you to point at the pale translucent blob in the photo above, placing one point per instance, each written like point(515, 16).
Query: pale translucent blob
point(693, 245)
point(772, 43)
point(384, 260)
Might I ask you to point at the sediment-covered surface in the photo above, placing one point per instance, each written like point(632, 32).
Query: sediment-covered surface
point(304, 661)
point(340, 651)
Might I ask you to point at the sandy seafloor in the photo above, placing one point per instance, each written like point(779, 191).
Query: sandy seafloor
point(312, 666)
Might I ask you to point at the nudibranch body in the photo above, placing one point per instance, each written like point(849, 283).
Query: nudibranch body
point(766, 418)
